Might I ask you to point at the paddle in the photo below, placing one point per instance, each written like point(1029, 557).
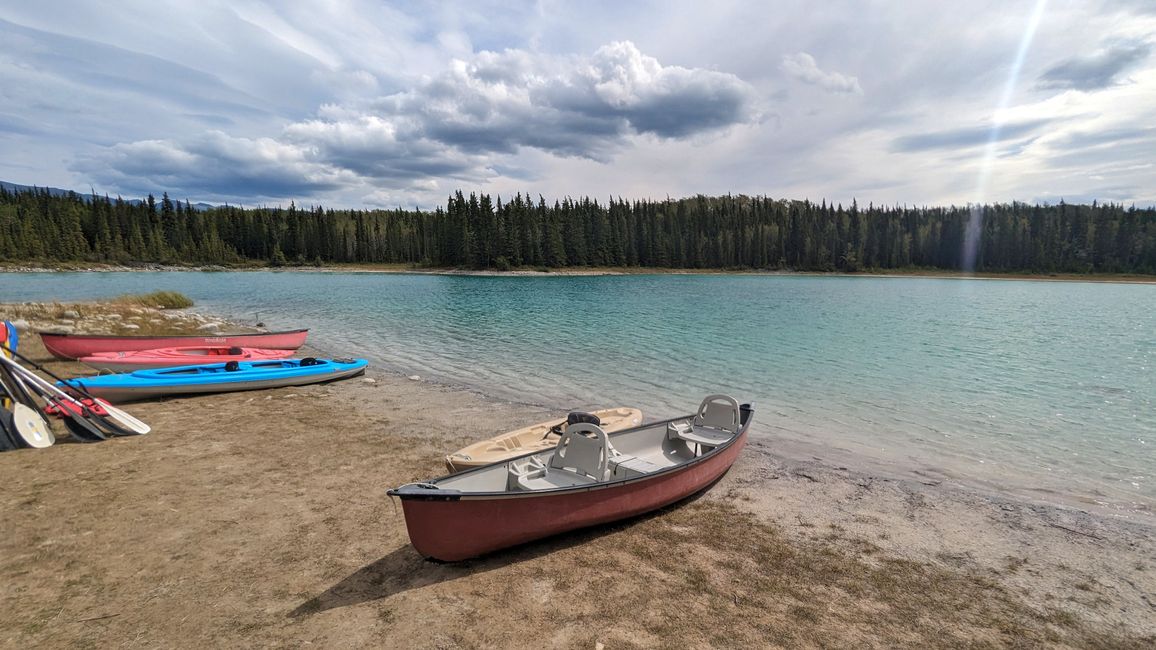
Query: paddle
point(95, 407)
point(132, 424)
point(14, 388)
point(80, 425)
point(8, 435)
point(573, 417)
point(7, 333)
point(7, 441)
point(78, 422)
point(26, 422)
point(557, 430)
point(82, 421)
point(83, 430)
point(31, 427)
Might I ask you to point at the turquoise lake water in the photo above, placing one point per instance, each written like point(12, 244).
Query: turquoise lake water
point(1044, 389)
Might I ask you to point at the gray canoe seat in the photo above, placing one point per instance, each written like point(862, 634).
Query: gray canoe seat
point(577, 460)
point(716, 422)
point(706, 437)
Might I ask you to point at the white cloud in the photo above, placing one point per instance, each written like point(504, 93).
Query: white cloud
point(802, 66)
point(454, 125)
point(359, 102)
point(217, 164)
point(1097, 70)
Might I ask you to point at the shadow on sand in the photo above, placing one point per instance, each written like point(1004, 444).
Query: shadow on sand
point(404, 569)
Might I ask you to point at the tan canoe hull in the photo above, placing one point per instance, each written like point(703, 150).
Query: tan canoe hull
point(535, 437)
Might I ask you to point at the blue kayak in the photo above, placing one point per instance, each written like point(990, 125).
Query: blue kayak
point(217, 378)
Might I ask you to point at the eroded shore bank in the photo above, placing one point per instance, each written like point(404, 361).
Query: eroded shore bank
point(260, 519)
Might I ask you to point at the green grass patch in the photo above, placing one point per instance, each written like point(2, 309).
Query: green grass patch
point(157, 300)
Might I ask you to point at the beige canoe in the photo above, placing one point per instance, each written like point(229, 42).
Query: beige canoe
point(535, 437)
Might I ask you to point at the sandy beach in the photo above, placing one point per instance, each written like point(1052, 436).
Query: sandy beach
point(260, 519)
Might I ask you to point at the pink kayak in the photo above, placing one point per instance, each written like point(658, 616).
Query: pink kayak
point(74, 346)
point(172, 357)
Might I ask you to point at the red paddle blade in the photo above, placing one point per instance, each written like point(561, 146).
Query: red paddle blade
point(63, 409)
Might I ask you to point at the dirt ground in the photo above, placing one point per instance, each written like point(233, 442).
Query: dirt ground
point(260, 519)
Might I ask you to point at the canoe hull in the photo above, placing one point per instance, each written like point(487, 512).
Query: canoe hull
point(74, 346)
point(450, 529)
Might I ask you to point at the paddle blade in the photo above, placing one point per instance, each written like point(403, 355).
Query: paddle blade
point(8, 435)
point(120, 416)
point(32, 428)
point(63, 408)
point(83, 430)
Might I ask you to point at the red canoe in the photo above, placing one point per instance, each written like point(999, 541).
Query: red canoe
point(590, 478)
point(74, 346)
point(172, 357)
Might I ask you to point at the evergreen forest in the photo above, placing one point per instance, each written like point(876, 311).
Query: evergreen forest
point(476, 231)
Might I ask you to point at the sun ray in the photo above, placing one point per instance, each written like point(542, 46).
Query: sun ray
point(975, 220)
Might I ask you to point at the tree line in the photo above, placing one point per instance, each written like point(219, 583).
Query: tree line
point(725, 232)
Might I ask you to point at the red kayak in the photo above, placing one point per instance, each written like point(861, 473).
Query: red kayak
point(172, 357)
point(74, 346)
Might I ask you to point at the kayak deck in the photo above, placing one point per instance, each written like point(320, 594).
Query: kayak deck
point(131, 360)
point(536, 437)
point(218, 377)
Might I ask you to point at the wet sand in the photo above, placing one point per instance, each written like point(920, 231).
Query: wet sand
point(260, 518)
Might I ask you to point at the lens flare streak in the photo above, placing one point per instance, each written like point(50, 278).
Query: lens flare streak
point(975, 219)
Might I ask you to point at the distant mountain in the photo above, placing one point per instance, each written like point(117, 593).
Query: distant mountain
point(13, 187)
point(56, 191)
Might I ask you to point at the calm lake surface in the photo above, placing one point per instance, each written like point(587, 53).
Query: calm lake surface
point(1043, 389)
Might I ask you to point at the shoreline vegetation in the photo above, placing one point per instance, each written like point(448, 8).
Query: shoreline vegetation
point(243, 529)
point(60, 267)
point(484, 233)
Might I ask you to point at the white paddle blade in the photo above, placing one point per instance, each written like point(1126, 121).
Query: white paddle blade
point(124, 418)
point(32, 427)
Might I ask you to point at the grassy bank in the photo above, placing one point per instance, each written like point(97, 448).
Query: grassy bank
point(156, 313)
point(156, 300)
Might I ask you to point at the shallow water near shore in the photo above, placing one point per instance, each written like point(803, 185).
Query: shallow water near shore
point(1041, 389)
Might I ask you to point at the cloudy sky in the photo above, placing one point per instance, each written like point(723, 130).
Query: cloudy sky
point(360, 103)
